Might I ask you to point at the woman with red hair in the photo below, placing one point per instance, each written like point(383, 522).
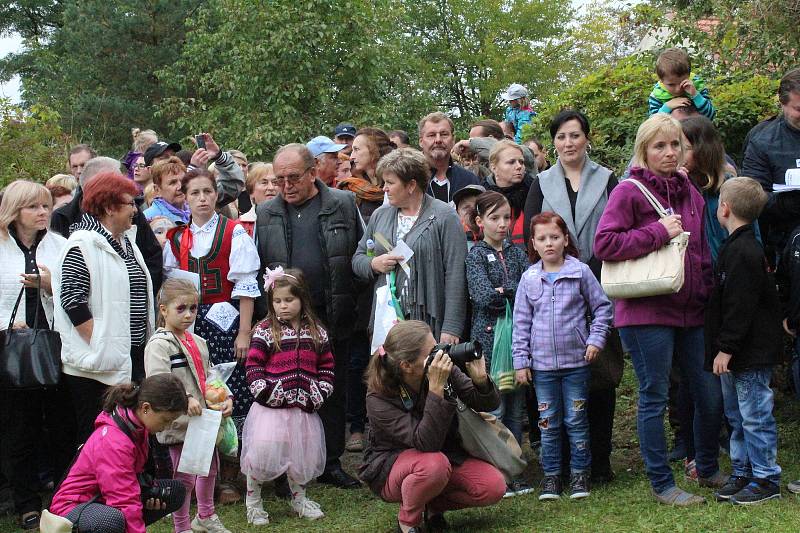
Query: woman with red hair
point(102, 298)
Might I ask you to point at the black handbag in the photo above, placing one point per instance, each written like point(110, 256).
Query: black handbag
point(30, 358)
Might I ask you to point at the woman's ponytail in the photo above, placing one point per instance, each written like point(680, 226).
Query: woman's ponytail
point(164, 393)
point(403, 343)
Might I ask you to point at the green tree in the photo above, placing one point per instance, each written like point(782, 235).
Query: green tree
point(32, 145)
point(263, 74)
point(93, 62)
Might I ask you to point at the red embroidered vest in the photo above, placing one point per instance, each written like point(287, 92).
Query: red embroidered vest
point(214, 266)
point(518, 231)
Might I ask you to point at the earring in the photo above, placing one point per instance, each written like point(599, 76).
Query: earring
point(588, 148)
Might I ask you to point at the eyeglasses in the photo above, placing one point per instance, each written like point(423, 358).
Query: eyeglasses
point(132, 203)
point(293, 179)
point(140, 166)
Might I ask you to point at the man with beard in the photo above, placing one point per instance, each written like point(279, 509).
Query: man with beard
point(436, 140)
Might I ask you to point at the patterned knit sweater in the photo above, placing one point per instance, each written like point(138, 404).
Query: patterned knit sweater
point(291, 374)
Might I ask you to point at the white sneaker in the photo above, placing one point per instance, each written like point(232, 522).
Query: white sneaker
point(211, 524)
point(306, 508)
point(257, 516)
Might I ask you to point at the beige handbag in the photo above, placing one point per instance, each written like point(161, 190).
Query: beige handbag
point(659, 272)
point(52, 523)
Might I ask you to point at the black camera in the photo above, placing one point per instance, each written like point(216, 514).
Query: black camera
point(460, 354)
point(149, 489)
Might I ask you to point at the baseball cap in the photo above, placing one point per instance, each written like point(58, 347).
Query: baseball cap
point(159, 148)
point(344, 129)
point(323, 145)
point(468, 190)
point(514, 92)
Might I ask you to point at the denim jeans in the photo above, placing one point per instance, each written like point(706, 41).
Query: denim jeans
point(511, 411)
point(562, 396)
point(651, 349)
point(754, 440)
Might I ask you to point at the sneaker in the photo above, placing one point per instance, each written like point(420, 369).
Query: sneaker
point(306, 508)
point(517, 487)
point(690, 470)
point(731, 487)
point(757, 491)
point(678, 497)
point(551, 488)
point(794, 487)
point(257, 516)
point(716, 481)
point(211, 524)
point(578, 486)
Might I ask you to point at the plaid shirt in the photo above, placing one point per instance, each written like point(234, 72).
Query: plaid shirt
point(555, 321)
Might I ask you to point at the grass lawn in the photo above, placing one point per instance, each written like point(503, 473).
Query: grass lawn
point(625, 505)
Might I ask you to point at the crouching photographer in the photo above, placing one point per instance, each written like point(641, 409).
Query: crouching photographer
point(105, 490)
point(414, 454)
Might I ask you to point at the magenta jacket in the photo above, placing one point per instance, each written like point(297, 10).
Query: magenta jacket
point(629, 228)
point(107, 465)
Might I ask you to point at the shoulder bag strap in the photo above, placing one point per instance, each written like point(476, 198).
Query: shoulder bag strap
point(650, 198)
point(16, 306)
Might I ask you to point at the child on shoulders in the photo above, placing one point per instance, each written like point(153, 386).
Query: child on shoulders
point(677, 86)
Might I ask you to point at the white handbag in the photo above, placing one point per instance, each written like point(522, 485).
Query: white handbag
point(659, 272)
point(51, 523)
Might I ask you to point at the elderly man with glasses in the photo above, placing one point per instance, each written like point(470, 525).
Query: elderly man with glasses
point(316, 229)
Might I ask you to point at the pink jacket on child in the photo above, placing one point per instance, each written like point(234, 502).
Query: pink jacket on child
point(107, 465)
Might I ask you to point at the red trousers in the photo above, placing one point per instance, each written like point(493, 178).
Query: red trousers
point(420, 479)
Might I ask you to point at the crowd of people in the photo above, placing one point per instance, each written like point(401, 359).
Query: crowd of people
point(162, 265)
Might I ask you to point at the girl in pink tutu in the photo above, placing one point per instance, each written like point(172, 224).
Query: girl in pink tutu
point(289, 370)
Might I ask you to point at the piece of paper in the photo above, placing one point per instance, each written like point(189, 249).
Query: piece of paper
point(780, 187)
point(792, 177)
point(198, 445)
point(222, 315)
point(402, 249)
point(177, 273)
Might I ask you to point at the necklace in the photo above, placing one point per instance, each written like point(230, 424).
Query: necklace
point(299, 209)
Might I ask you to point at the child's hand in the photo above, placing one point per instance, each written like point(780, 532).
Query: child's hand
point(242, 345)
point(523, 376)
point(591, 353)
point(791, 332)
point(680, 101)
point(688, 87)
point(195, 409)
point(721, 363)
point(499, 289)
point(227, 408)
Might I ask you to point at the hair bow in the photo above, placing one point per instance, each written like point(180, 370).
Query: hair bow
point(271, 276)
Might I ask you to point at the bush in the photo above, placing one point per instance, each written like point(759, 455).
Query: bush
point(615, 100)
point(32, 145)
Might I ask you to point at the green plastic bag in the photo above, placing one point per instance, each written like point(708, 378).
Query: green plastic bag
point(228, 444)
point(502, 370)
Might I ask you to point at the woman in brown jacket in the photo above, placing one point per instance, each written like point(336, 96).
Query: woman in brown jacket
point(413, 447)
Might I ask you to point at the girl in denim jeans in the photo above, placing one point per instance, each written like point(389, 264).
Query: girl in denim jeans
point(561, 320)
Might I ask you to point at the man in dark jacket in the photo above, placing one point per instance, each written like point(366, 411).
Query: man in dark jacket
point(316, 229)
point(773, 153)
point(436, 140)
point(743, 342)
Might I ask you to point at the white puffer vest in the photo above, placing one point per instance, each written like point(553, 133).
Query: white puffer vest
point(107, 357)
point(12, 264)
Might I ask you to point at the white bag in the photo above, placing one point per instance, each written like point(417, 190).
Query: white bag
point(385, 317)
point(51, 523)
point(659, 272)
point(198, 445)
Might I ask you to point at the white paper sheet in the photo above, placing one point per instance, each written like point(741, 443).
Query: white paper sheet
point(198, 445)
point(222, 314)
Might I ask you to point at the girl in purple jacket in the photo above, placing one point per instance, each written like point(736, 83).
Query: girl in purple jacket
point(561, 320)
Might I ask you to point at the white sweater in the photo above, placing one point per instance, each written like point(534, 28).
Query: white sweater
point(107, 357)
point(12, 264)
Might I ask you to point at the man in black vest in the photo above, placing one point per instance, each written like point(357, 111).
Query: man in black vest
point(316, 229)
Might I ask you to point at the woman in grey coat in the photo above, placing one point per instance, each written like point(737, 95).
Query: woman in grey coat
point(434, 287)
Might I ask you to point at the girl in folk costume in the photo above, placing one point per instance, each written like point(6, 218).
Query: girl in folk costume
point(290, 373)
point(225, 257)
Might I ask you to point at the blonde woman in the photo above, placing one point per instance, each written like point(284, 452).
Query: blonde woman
point(28, 252)
point(260, 186)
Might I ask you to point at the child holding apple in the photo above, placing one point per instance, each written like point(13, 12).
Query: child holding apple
point(173, 349)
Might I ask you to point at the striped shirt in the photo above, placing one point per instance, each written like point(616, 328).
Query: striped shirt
point(76, 282)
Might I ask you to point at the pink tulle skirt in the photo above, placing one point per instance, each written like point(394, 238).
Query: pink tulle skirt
point(278, 441)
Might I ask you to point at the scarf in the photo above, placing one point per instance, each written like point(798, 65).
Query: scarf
point(194, 353)
point(364, 190)
point(515, 194)
point(183, 214)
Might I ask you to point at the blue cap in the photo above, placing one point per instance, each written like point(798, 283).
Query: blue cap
point(323, 145)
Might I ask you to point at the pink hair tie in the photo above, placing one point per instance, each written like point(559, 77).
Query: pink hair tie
point(381, 352)
point(271, 276)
